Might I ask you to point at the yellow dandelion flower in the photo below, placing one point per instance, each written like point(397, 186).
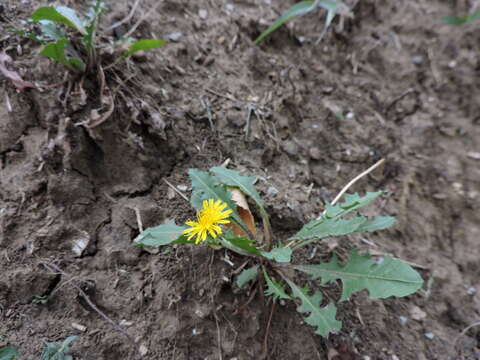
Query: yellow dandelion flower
point(212, 214)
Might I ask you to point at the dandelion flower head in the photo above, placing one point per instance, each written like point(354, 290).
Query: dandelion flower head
point(211, 214)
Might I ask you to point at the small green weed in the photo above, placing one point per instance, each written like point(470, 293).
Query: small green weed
point(51, 351)
point(8, 353)
point(333, 7)
point(215, 198)
point(460, 20)
point(58, 351)
point(72, 40)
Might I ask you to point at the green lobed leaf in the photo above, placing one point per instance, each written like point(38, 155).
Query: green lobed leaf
point(57, 52)
point(275, 289)
point(389, 277)
point(321, 318)
point(352, 202)
point(62, 15)
point(57, 351)
point(298, 9)
point(247, 275)
point(460, 20)
point(8, 353)
point(332, 224)
point(244, 183)
point(165, 234)
point(376, 223)
point(51, 31)
point(319, 229)
point(279, 254)
point(144, 44)
point(205, 187)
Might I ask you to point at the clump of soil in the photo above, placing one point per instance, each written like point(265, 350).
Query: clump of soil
point(393, 82)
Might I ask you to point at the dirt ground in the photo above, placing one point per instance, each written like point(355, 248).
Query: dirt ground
point(392, 82)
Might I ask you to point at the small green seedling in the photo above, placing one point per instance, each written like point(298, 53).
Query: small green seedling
point(71, 40)
point(58, 351)
point(40, 299)
point(460, 20)
point(8, 353)
point(333, 7)
point(220, 223)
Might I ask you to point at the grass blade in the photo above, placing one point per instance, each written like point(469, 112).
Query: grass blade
point(299, 9)
point(460, 20)
point(145, 44)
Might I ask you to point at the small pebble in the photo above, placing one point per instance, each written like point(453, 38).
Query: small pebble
point(403, 320)
point(203, 14)
point(230, 7)
point(126, 323)
point(143, 350)
point(474, 155)
point(200, 313)
point(417, 314)
point(315, 153)
point(418, 59)
point(271, 191)
point(175, 36)
point(290, 148)
point(350, 115)
point(170, 193)
point(472, 194)
point(79, 327)
point(301, 39)
point(471, 291)
point(196, 331)
point(182, 187)
point(429, 335)
point(327, 90)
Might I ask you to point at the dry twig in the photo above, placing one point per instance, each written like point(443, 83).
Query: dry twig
point(126, 18)
point(354, 180)
point(175, 189)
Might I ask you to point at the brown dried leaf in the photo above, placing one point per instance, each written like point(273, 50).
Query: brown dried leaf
point(244, 211)
point(13, 75)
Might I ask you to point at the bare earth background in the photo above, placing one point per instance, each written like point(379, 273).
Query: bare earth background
point(393, 82)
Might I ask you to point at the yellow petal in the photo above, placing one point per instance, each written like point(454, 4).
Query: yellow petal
point(223, 221)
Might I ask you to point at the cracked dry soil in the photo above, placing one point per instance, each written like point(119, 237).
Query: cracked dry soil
point(393, 83)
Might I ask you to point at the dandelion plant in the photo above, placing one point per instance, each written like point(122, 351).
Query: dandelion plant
point(220, 222)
